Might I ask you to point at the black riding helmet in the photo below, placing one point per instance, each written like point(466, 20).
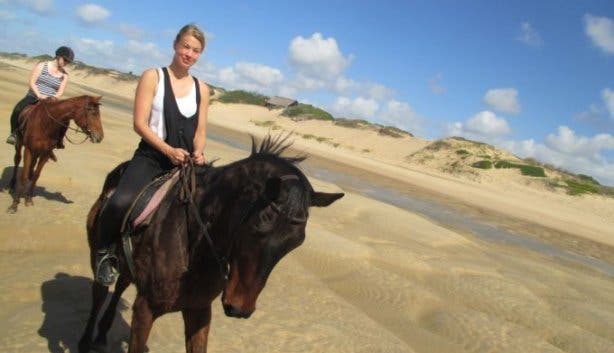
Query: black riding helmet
point(66, 53)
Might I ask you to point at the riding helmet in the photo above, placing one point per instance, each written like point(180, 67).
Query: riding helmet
point(66, 53)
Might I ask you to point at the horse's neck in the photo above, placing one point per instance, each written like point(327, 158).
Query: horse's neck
point(62, 110)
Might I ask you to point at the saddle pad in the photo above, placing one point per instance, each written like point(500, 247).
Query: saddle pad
point(149, 199)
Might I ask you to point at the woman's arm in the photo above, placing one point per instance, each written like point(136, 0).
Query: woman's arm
point(143, 100)
point(200, 137)
point(60, 91)
point(36, 71)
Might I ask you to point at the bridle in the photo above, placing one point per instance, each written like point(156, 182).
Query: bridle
point(85, 131)
point(188, 186)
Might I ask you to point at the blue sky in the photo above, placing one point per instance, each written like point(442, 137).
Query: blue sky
point(533, 77)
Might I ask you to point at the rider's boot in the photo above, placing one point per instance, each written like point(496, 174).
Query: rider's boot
point(11, 139)
point(105, 261)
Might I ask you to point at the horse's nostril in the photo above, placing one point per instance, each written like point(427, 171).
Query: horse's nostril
point(231, 311)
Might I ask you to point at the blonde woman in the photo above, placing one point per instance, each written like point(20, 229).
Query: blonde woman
point(170, 115)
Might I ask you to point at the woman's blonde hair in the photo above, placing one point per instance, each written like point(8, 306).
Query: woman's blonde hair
point(192, 30)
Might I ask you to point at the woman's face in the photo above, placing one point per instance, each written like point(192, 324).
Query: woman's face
point(187, 51)
point(62, 62)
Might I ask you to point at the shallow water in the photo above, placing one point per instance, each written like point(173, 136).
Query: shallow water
point(409, 200)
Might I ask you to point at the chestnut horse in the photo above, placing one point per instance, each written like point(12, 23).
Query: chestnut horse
point(239, 221)
point(45, 125)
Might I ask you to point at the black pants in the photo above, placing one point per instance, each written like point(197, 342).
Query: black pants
point(146, 164)
point(24, 102)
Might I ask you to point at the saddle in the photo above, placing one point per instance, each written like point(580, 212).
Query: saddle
point(147, 201)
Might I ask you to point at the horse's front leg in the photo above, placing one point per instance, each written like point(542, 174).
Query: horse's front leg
point(196, 323)
point(16, 161)
point(109, 314)
point(34, 175)
point(99, 294)
point(21, 182)
point(142, 320)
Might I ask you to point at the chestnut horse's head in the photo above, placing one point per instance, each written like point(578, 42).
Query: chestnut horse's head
point(89, 118)
point(270, 218)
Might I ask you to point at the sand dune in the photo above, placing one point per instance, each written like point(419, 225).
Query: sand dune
point(370, 277)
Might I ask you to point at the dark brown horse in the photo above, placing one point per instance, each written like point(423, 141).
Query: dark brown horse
point(45, 125)
point(254, 211)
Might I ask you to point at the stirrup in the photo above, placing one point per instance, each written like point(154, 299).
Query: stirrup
point(106, 262)
point(11, 139)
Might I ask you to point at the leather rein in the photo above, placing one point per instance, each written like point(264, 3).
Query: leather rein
point(85, 131)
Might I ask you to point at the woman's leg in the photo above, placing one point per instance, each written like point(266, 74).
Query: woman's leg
point(24, 102)
point(138, 174)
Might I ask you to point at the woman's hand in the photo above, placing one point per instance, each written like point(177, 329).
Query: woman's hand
point(198, 158)
point(177, 156)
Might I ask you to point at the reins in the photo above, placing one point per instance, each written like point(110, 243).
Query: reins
point(67, 126)
point(186, 194)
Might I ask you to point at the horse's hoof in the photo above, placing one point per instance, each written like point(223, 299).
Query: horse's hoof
point(29, 203)
point(12, 209)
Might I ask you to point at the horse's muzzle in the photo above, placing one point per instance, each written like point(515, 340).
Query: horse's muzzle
point(95, 138)
point(231, 311)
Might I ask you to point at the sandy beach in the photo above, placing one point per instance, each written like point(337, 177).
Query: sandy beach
point(372, 276)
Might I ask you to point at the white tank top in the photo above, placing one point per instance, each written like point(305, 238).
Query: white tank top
point(186, 104)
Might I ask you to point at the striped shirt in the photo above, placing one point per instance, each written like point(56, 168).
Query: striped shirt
point(47, 84)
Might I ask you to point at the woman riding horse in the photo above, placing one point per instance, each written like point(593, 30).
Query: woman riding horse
point(47, 80)
point(170, 113)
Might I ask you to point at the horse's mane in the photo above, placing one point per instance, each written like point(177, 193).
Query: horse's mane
point(275, 146)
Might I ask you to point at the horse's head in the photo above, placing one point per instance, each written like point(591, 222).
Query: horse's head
point(271, 217)
point(89, 120)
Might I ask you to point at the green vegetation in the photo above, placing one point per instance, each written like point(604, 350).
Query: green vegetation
point(243, 97)
point(578, 187)
point(463, 152)
point(393, 132)
point(267, 123)
point(437, 145)
point(306, 111)
point(351, 123)
point(483, 164)
point(525, 169)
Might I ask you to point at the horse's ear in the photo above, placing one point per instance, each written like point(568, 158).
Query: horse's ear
point(273, 187)
point(97, 99)
point(323, 199)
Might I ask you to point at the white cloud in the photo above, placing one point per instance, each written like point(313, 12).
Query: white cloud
point(92, 13)
point(400, 114)
point(39, 6)
point(577, 154)
point(566, 141)
point(379, 92)
point(528, 35)
point(601, 32)
point(317, 57)
point(131, 31)
point(608, 98)
point(251, 77)
point(503, 100)
point(359, 107)
point(484, 125)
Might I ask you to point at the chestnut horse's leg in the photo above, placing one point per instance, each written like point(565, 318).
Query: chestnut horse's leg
point(16, 161)
point(196, 323)
point(27, 165)
point(34, 175)
point(142, 320)
point(109, 314)
point(99, 294)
